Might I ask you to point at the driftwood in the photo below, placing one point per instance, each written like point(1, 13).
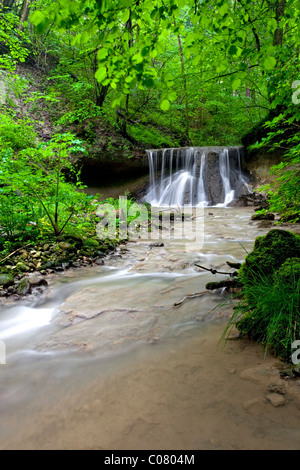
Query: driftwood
point(214, 271)
point(227, 283)
point(190, 296)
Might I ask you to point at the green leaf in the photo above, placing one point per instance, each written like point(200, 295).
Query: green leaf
point(101, 74)
point(236, 83)
point(269, 63)
point(102, 53)
point(37, 17)
point(165, 105)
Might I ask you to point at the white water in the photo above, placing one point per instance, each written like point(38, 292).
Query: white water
point(184, 177)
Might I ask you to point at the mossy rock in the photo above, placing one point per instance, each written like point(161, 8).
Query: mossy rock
point(269, 253)
point(265, 216)
point(6, 280)
point(289, 272)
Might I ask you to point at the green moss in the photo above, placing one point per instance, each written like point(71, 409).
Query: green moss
point(289, 272)
point(269, 253)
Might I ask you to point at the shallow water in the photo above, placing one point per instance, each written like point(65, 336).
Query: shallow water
point(107, 361)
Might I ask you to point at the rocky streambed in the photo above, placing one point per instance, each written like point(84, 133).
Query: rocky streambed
point(24, 273)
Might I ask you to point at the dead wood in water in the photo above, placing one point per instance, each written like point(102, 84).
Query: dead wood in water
point(190, 296)
point(214, 271)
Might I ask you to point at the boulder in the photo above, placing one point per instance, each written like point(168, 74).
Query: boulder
point(6, 280)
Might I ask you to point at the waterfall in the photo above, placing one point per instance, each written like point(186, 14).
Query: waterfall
point(196, 176)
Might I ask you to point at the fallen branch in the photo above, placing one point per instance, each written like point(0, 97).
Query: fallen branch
point(190, 296)
point(214, 271)
point(16, 251)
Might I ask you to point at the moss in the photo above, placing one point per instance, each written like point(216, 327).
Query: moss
point(269, 253)
point(289, 272)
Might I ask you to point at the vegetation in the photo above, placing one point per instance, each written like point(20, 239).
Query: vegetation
point(269, 306)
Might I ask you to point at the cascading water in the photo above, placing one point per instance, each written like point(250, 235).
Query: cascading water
point(200, 176)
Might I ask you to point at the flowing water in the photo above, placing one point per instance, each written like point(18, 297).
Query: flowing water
point(106, 361)
point(200, 176)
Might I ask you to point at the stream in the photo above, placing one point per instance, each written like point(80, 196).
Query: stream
point(106, 361)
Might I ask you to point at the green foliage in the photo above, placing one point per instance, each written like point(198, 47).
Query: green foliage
point(16, 134)
point(12, 40)
point(38, 175)
point(269, 310)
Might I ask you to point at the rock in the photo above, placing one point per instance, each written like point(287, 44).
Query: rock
point(27, 283)
point(24, 286)
point(265, 224)
point(156, 244)
point(276, 399)
point(76, 264)
point(65, 246)
point(99, 261)
point(37, 281)
point(6, 280)
point(20, 266)
point(265, 216)
point(269, 253)
point(277, 388)
point(296, 371)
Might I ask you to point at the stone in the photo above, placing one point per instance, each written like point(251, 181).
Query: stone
point(22, 266)
point(266, 216)
point(24, 286)
point(65, 246)
point(276, 399)
point(6, 280)
point(277, 388)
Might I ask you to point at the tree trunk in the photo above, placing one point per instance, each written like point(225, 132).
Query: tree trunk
point(24, 13)
point(186, 102)
point(278, 35)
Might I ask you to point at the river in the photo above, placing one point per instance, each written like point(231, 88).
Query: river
point(106, 361)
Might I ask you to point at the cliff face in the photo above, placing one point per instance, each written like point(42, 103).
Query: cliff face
point(258, 164)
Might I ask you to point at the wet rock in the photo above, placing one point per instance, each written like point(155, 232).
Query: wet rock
point(265, 224)
point(276, 399)
point(156, 245)
point(6, 280)
point(265, 216)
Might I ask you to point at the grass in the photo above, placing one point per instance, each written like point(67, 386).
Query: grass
point(269, 311)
